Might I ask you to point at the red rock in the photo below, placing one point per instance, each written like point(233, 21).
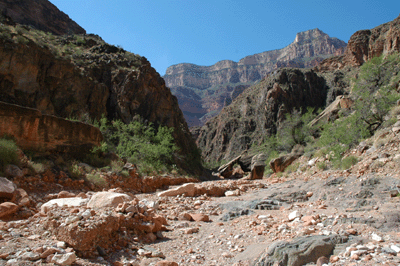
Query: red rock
point(167, 263)
point(355, 257)
point(48, 252)
point(189, 231)
point(185, 217)
point(322, 260)
point(8, 208)
point(4, 255)
point(200, 217)
point(65, 194)
point(7, 188)
point(334, 259)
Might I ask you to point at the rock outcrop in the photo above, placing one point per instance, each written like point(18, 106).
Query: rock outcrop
point(88, 79)
point(257, 112)
point(365, 45)
point(37, 132)
point(203, 91)
point(40, 14)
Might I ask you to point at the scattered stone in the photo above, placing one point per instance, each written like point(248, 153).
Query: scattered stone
point(395, 248)
point(48, 252)
point(108, 199)
point(185, 217)
point(7, 188)
point(166, 263)
point(232, 193)
point(187, 189)
point(61, 244)
point(388, 250)
point(294, 215)
point(322, 260)
point(300, 251)
point(200, 217)
point(376, 237)
point(32, 256)
point(65, 194)
point(334, 259)
point(67, 202)
point(189, 231)
point(7, 209)
point(64, 259)
point(13, 171)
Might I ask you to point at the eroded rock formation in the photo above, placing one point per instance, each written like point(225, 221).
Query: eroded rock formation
point(365, 45)
point(203, 91)
point(257, 111)
point(37, 132)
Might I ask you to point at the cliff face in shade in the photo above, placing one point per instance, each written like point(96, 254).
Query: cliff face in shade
point(45, 133)
point(256, 112)
point(202, 91)
point(40, 14)
point(82, 76)
point(366, 44)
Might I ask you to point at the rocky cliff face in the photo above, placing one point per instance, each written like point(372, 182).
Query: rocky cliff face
point(82, 76)
point(40, 14)
point(257, 111)
point(203, 91)
point(45, 133)
point(366, 44)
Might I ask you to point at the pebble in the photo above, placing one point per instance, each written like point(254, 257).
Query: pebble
point(376, 237)
point(294, 215)
point(64, 259)
point(61, 244)
point(395, 248)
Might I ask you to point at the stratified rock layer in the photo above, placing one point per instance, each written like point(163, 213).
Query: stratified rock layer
point(203, 91)
point(365, 45)
point(37, 132)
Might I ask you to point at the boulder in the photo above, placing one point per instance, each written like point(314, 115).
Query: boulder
point(300, 251)
point(108, 199)
point(200, 217)
point(7, 188)
point(279, 164)
point(189, 190)
point(68, 202)
point(226, 170)
point(258, 166)
point(13, 171)
point(64, 259)
point(7, 209)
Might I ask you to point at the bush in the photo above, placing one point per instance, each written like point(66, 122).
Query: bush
point(8, 153)
point(295, 130)
point(152, 150)
point(348, 162)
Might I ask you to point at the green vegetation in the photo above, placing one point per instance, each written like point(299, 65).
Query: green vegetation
point(8, 153)
point(151, 148)
point(375, 93)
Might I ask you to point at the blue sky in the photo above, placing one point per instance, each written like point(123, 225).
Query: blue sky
point(169, 32)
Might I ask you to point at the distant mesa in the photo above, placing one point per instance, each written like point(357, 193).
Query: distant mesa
point(202, 91)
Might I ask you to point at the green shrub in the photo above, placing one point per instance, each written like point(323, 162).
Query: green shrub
point(152, 150)
point(97, 179)
point(8, 153)
point(348, 162)
point(296, 130)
